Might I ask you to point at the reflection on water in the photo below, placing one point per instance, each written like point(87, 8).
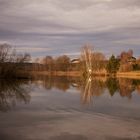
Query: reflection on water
point(95, 86)
point(15, 91)
point(69, 108)
point(92, 87)
point(12, 91)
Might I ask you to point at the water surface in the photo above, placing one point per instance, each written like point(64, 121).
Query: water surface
point(68, 108)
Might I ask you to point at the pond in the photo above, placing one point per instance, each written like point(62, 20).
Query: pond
point(70, 108)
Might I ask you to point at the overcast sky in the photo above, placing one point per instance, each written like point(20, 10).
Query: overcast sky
point(56, 27)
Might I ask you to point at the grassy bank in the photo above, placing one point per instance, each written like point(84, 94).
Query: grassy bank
point(132, 74)
point(58, 73)
point(67, 73)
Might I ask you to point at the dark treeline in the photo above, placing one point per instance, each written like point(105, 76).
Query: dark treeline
point(11, 63)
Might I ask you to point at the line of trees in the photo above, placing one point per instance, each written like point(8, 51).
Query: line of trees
point(97, 62)
point(89, 62)
point(123, 63)
point(11, 62)
point(61, 63)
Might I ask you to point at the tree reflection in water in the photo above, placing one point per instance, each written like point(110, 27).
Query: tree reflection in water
point(49, 82)
point(92, 86)
point(126, 87)
point(13, 91)
point(123, 86)
point(96, 86)
point(112, 85)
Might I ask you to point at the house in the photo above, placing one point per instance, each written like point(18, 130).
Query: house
point(75, 61)
point(131, 60)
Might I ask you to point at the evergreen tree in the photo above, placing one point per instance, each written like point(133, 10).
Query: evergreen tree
point(112, 65)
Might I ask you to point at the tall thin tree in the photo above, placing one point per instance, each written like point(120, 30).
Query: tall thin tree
point(87, 58)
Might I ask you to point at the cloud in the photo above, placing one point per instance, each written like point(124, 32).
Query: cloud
point(65, 25)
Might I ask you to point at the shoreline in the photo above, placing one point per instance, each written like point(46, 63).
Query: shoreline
point(58, 73)
point(132, 74)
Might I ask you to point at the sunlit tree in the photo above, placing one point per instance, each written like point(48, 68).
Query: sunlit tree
point(86, 58)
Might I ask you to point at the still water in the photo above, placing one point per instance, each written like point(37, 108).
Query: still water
point(68, 108)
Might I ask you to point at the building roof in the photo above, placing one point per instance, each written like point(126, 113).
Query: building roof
point(75, 60)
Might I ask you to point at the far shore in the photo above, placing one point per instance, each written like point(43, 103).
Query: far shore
point(132, 74)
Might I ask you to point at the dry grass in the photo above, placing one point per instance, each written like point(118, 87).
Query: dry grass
point(58, 73)
point(132, 74)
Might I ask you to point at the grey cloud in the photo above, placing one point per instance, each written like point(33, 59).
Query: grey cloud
point(74, 5)
point(64, 26)
point(108, 42)
point(124, 4)
point(82, 4)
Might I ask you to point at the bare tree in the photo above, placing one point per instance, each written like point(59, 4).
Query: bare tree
point(4, 52)
point(23, 58)
point(98, 60)
point(48, 63)
point(37, 61)
point(86, 57)
point(11, 62)
point(62, 63)
point(124, 61)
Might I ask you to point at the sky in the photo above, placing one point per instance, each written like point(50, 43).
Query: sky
point(57, 27)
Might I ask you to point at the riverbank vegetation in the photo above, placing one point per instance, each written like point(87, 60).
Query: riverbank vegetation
point(93, 63)
point(17, 65)
point(11, 62)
